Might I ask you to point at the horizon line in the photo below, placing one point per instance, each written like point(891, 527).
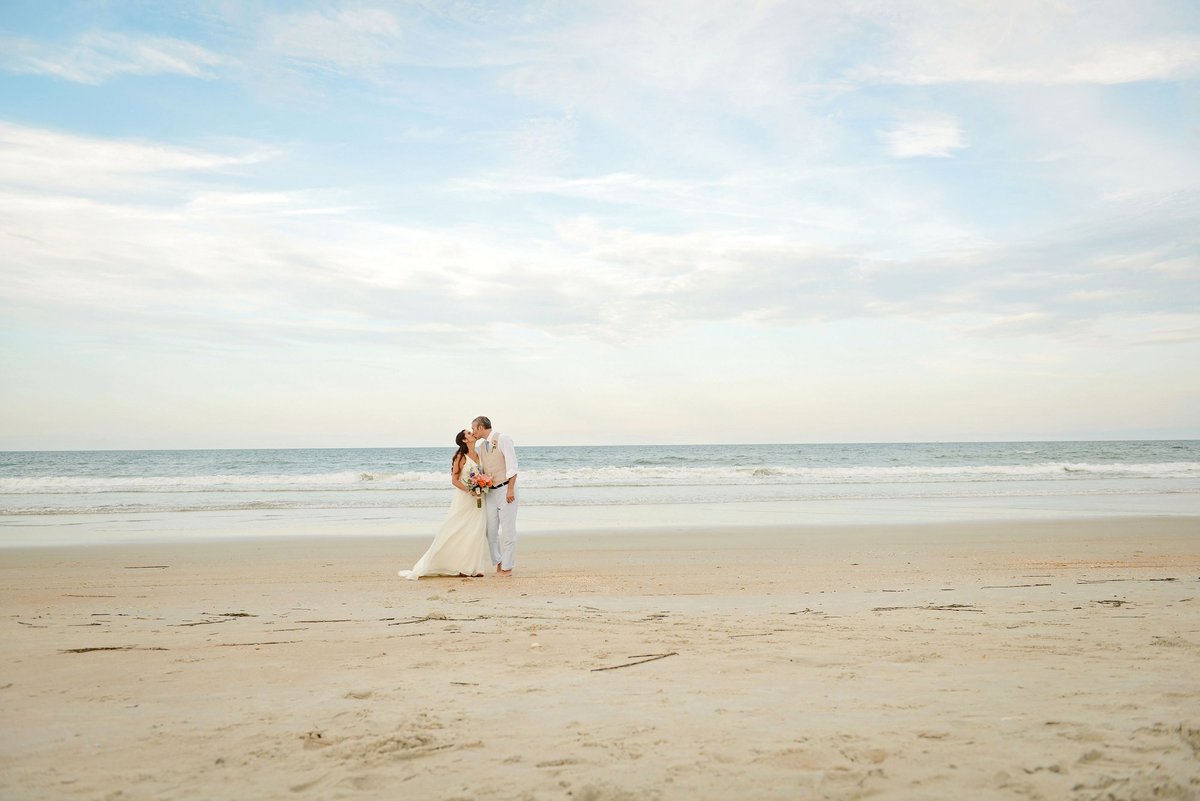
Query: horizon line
point(613, 445)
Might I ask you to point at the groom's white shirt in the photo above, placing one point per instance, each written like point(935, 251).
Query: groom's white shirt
point(505, 444)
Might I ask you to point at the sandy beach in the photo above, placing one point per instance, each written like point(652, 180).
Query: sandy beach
point(999, 660)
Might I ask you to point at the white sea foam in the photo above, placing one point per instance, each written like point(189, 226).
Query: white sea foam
point(607, 476)
point(346, 480)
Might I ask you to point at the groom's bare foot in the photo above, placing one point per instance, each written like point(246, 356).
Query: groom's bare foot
point(504, 572)
point(497, 568)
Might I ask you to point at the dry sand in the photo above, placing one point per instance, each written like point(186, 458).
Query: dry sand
point(1008, 660)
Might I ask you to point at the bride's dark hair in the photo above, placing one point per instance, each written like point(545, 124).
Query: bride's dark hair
point(461, 442)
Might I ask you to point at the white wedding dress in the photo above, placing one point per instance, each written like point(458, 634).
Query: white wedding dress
point(460, 545)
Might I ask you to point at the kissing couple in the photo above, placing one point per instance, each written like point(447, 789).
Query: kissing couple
point(480, 529)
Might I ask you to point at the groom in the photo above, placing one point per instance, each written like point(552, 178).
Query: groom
point(499, 461)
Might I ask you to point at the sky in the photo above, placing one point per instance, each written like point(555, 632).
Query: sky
point(354, 224)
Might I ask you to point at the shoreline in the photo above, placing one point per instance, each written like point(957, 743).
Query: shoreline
point(230, 525)
point(710, 534)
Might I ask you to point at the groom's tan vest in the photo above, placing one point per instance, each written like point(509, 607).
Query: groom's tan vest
point(492, 461)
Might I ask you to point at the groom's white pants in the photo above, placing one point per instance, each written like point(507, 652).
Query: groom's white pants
point(502, 526)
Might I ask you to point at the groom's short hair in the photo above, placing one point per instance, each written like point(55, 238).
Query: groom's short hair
point(482, 421)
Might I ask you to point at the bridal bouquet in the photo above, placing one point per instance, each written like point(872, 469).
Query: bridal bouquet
point(478, 484)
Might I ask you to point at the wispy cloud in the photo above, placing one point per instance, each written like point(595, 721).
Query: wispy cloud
point(1030, 42)
point(1167, 58)
point(40, 159)
point(370, 40)
point(349, 39)
point(97, 57)
point(929, 135)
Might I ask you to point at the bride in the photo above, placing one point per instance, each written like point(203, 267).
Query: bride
point(460, 547)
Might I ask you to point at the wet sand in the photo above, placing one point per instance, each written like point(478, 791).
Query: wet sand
point(1003, 660)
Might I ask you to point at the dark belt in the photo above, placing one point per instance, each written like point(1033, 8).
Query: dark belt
point(498, 486)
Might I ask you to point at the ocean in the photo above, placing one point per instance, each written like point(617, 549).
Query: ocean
point(42, 490)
